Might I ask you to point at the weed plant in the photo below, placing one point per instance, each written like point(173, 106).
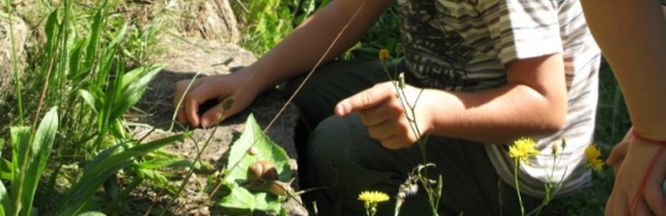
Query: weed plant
point(80, 76)
point(267, 22)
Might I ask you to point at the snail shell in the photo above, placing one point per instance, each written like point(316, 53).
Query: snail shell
point(263, 170)
point(253, 151)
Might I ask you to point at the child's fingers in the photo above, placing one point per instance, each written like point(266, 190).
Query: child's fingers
point(212, 116)
point(618, 153)
point(366, 99)
point(654, 196)
point(617, 205)
point(220, 112)
point(193, 99)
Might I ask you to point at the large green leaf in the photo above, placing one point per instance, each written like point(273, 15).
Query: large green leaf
point(240, 197)
point(41, 149)
point(20, 140)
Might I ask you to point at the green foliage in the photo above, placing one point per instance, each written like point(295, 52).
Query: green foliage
point(30, 152)
point(385, 34)
point(241, 197)
point(267, 22)
point(106, 164)
point(79, 70)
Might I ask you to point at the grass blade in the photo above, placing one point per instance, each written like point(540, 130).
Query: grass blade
point(133, 85)
point(89, 99)
point(102, 168)
point(93, 39)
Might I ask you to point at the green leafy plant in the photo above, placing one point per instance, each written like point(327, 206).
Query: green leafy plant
point(267, 22)
point(106, 164)
point(256, 194)
point(80, 71)
point(30, 152)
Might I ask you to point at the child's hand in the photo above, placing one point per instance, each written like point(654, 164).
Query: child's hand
point(618, 153)
point(628, 179)
point(382, 112)
point(218, 88)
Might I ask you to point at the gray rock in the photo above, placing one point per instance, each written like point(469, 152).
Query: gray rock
point(209, 19)
point(184, 60)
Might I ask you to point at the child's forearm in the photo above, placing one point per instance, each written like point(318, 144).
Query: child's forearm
point(301, 50)
point(533, 103)
point(496, 117)
point(632, 36)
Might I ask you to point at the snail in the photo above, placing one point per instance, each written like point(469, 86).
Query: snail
point(262, 170)
point(253, 151)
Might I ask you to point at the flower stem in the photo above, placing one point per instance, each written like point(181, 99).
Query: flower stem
point(515, 179)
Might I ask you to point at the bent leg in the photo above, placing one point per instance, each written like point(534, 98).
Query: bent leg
point(345, 160)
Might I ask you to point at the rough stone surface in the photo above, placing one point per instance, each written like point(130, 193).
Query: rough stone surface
point(210, 19)
point(184, 59)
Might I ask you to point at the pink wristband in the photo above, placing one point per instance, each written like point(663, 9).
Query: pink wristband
point(653, 162)
point(647, 140)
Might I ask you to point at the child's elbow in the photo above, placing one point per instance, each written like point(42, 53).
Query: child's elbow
point(555, 119)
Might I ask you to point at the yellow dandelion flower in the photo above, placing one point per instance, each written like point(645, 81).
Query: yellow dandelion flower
point(372, 197)
point(592, 156)
point(384, 54)
point(522, 149)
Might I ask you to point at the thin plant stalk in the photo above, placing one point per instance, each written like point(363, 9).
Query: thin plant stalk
point(515, 179)
point(399, 85)
point(15, 71)
point(61, 38)
point(191, 170)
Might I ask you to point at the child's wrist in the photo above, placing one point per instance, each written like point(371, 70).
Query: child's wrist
point(649, 140)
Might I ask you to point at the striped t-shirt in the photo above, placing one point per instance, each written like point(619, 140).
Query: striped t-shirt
point(464, 45)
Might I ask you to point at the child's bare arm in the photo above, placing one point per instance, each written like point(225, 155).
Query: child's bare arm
point(534, 102)
point(295, 54)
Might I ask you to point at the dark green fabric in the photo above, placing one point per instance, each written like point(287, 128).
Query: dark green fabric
point(341, 157)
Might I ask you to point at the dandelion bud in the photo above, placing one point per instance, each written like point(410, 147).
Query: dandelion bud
point(384, 54)
point(555, 148)
point(401, 80)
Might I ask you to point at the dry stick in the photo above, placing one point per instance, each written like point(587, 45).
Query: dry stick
point(291, 98)
point(191, 172)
